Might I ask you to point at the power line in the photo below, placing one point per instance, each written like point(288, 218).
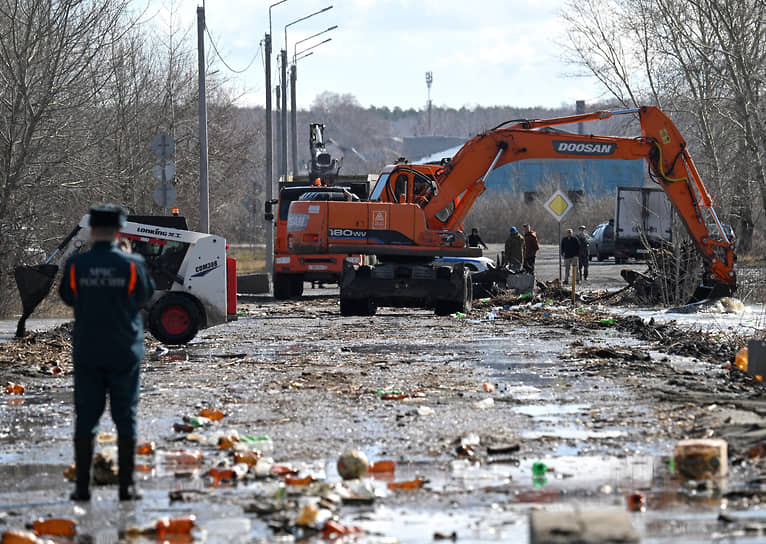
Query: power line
point(218, 54)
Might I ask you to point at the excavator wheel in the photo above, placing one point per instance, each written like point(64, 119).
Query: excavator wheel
point(357, 306)
point(282, 286)
point(174, 319)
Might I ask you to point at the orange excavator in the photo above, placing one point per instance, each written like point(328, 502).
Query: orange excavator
point(416, 211)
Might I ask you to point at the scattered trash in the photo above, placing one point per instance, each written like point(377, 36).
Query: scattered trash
point(145, 448)
point(19, 537)
point(459, 314)
point(491, 315)
point(425, 411)
point(465, 450)
point(262, 443)
point(488, 387)
point(379, 467)
point(409, 484)
point(14, 388)
point(484, 404)
point(292, 480)
point(352, 465)
point(636, 502)
point(213, 415)
point(55, 527)
point(607, 321)
point(539, 468)
point(250, 457)
point(333, 530)
point(179, 457)
point(701, 459)
point(175, 526)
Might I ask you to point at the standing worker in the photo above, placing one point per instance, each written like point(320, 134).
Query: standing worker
point(570, 250)
point(107, 288)
point(474, 240)
point(584, 240)
point(514, 250)
point(531, 247)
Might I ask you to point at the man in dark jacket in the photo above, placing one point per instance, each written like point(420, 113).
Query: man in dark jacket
point(107, 288)
point(584, 241)
point(474, 240)
point(570, 250)
point(514, 249)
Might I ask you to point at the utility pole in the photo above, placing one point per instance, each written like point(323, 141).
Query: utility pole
point(293, 119)
point(204, 194)
point(580, 108)
point(269, 149)
point(429, 80)
point(278, 145)
point(283, 56)
point(269, 173)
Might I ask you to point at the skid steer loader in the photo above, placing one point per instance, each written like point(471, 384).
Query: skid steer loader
point(189, 270)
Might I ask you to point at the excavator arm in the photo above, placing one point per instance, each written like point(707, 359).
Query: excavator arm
point(660, 144)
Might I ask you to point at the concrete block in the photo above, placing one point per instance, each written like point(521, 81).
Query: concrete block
point(611, 526)
point(523, 283)
point(253, 284)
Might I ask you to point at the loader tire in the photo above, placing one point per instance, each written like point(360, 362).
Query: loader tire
point(174, 319)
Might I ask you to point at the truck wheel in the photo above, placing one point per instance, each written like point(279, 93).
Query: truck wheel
point(174, 319)
point(464, 300)
point(600, 257)
point(296, 286)
point(281, 286)
point(358, 306)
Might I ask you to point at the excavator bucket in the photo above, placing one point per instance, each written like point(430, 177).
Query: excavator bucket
point(717, 290)
point(34, 283)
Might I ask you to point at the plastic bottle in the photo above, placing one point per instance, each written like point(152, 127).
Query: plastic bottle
point(19, 537)
point(459, 314)
point(14, 388)
point(539, 468)
point(250, 458)
point(55, 526)
point(263, 443)
point(607, 321)
point(417, 483)
point(740, 361)
point(381, 467)
point(197, 421)
point(175, 526)
point(636, 502)
point(145, 448)
point(213, 415)
point(180, 457)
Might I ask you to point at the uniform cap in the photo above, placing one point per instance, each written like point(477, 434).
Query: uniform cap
point(512, 229)
point(107, 215)
point(582, 227)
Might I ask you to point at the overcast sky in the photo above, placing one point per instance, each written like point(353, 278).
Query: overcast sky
point(480, 52)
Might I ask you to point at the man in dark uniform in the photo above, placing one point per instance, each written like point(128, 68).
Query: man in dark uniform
point(107, 288)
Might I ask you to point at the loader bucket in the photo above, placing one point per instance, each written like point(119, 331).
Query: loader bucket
point(34, 283)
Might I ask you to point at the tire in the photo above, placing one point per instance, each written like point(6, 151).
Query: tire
point(358, 306)
point(599, 257)
point(296, 286)
point(174, 319)
point(282, 286)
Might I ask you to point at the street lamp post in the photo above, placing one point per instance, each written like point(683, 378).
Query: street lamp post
point(293, 78)
point(283, 54)
point(269, 174)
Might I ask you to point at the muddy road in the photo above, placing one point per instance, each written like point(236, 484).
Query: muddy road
point(466, 407)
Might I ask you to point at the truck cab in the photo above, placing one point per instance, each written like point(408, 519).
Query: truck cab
point(290, 270)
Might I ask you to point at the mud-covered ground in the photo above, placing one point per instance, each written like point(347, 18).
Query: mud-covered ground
point(464, 406)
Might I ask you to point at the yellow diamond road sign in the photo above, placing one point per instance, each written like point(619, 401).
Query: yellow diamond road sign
point(558, 205)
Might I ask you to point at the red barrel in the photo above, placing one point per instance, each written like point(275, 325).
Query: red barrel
point(231, 286)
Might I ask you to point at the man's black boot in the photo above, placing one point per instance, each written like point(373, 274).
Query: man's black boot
point(126, 454)
point(83, 457)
